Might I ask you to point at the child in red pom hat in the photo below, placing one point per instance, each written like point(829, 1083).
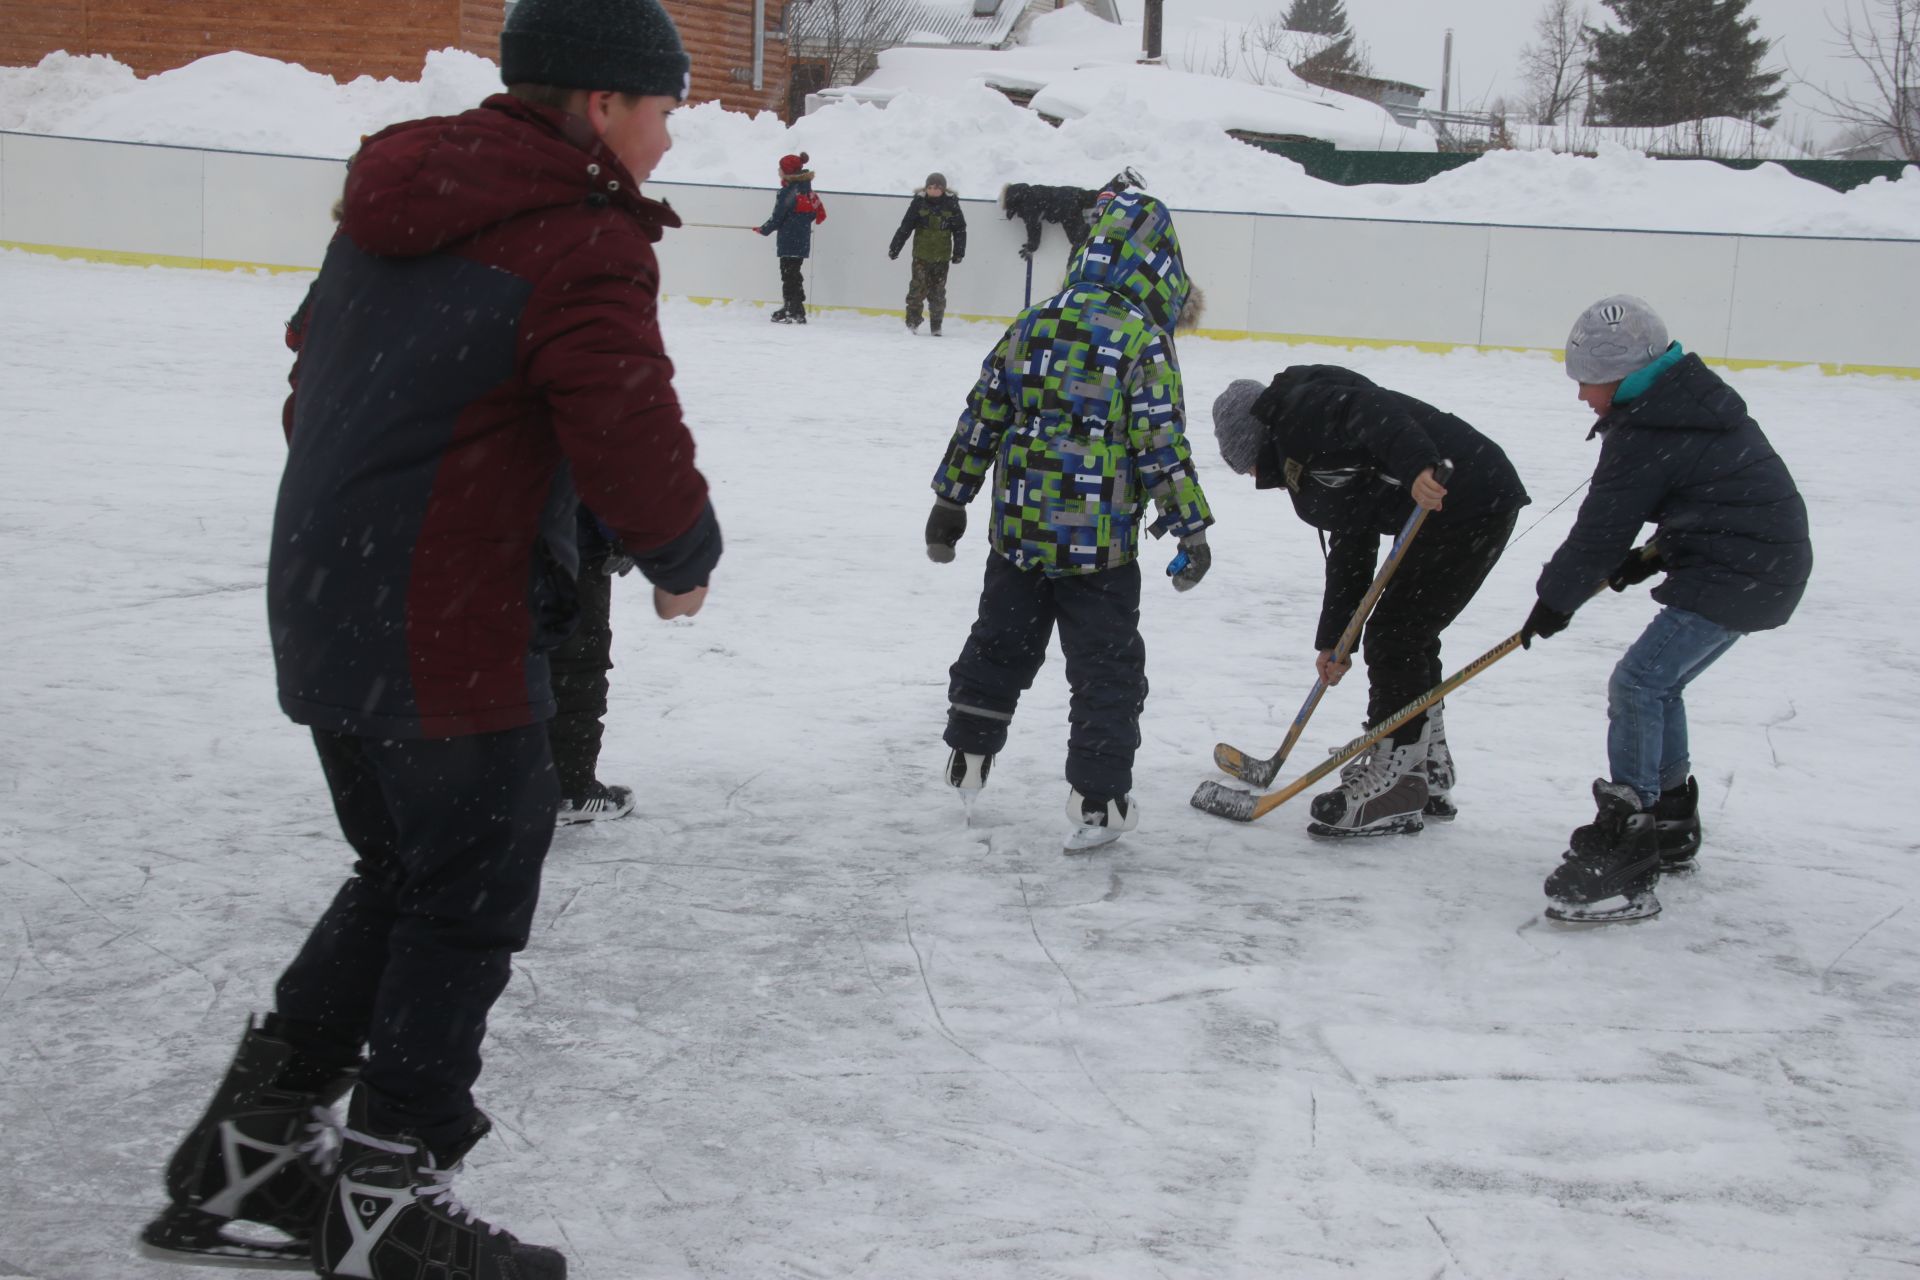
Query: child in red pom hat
point(795, 211)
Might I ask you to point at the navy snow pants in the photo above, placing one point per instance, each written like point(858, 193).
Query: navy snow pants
point(1099, 620)
point(450, 836)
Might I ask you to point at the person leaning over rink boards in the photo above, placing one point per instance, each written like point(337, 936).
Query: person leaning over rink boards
point(482, 338)
point(1678, 448)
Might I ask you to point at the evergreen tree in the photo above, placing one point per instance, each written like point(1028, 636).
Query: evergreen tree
point(1326, 18)
point(1675, 60)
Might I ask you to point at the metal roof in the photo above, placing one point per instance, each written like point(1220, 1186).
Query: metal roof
point(884, 23)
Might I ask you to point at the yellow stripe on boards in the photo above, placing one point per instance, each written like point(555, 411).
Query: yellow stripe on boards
point(1831, 368)
point(120, 257)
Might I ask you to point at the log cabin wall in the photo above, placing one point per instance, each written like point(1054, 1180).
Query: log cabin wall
point(380, 38)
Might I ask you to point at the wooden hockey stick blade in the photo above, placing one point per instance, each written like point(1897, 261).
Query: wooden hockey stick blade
point(1244, 806)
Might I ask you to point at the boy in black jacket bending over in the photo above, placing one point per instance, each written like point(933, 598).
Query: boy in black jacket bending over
point(1356, 458)
point(1677, 447)
point(939, 231)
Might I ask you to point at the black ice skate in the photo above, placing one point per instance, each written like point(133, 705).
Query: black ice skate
point(601, 803)
point(1440, 775)
point(1676, 820)
point(1609, 872)
point(259, 1158)
point(782, 316)
point(1382, 792)
point(1097, 820)
point(968, 770)
point(390, 1214)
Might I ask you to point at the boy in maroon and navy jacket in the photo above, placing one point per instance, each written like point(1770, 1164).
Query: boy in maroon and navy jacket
point(480, 352)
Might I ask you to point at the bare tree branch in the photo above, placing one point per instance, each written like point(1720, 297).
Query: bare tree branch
point(1554, 68)
point(1883, 37)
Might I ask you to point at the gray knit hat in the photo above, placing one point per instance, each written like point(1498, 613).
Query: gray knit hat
point(936, 180)
point(1239, 433)
point(1613, 338)
point(625, 46)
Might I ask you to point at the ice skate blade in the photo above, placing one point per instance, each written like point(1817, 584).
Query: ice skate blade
point(1620, 909)
point(1083, 839)
point(190, 1237)
point(1386, 827)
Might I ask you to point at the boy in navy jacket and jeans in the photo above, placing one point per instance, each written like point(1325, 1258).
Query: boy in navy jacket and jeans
point(1677, 448)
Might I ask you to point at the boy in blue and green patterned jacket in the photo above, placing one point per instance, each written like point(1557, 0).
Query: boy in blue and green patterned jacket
point(1079, 412)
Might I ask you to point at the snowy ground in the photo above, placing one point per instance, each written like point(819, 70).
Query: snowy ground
point(796, 1018)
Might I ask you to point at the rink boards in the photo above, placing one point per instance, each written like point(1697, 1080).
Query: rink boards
point(1845, 304)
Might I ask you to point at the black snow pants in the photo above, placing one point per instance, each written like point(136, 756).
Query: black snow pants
point(1099, 619)
point(450, 835)
point(579, 671)
point(793, 286)
point(1441, 572)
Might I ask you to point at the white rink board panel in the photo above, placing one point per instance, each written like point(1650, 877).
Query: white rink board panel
point(1219, 250)
point(1832, 301)
point(1387, 281)
point(102, 195)
point(1841, 301)
point(1540, 278)
point(270, 209)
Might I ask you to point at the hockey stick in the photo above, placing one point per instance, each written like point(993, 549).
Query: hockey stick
point(1244, 806)
point(1261, 773)
point(1029, 298)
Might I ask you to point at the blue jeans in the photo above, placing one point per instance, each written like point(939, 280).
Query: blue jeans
point(1646, 719)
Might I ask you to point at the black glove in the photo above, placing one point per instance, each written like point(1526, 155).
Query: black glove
point(1192, 563)
point(945, 523)
point(958, 258)
point(1026, 253)
point(1543, 622)
point(1641, 563)
point(893, 253)
point(617, 564)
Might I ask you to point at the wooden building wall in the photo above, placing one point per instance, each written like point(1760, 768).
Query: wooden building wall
point(349, 38)
point(718, 35)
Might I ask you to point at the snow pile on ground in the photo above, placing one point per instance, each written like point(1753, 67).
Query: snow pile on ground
point(233, 101)
point(971, 133)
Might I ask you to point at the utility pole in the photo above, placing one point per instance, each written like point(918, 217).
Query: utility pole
point(1152, 45)
point(1446, 70)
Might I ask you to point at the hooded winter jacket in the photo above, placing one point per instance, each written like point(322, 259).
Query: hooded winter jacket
point(482, 338)
point(1732, 529)
point(795, 211)
point(1078, 409)
point(938, 227)
point(1348, 450)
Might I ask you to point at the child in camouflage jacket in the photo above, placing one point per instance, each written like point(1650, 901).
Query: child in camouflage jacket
point(1079, 411)
point(939, 229)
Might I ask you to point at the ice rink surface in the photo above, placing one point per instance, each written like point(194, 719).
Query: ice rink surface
point(797, 1017)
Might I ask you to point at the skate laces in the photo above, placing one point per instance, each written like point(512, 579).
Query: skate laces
point(439, 1194)
point(1353, 768)
point(324, 1141)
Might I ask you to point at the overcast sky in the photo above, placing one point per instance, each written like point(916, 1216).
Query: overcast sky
point(1405, 38)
